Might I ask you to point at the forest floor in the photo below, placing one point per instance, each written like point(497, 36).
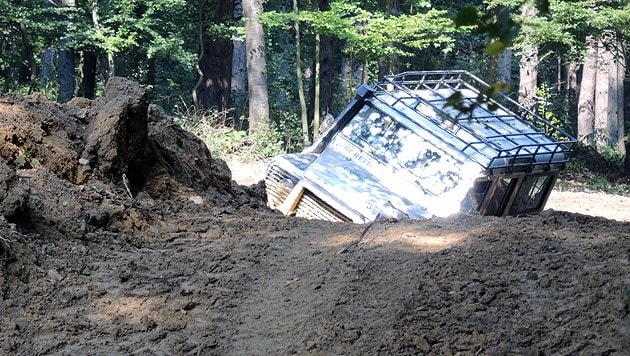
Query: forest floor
point(190, 261)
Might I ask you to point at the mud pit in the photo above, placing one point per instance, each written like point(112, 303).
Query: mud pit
point(177, 258)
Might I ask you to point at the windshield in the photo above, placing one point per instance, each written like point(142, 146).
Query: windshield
point(392, 143)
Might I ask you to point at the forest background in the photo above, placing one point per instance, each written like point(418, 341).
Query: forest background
point(257, 78)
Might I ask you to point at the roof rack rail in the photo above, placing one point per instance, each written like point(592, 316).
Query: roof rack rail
point(511, 137)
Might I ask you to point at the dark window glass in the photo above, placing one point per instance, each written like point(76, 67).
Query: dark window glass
point(502, 191)
point(530, 195)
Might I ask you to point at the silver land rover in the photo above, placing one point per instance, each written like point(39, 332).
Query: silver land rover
point(405, 149)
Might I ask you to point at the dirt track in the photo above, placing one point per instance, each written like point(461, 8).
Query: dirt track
point(201, 267)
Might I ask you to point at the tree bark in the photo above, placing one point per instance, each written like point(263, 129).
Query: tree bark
point(45, 73)
point(65, 65)
point(527, 68)
point(586, 97)
point(504, 67)
point(621, 71)
point(603, 119)
point(316, 108)
point(30, 56)
point(327, 67)
point(215, 63)
point(300, 85)
point(256, 66)
point(65, 73)
point(571, 90)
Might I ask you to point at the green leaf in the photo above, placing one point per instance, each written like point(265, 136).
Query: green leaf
point(495, 47)
point(20, 161)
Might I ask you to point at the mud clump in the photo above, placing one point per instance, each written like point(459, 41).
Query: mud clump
point(116, 138)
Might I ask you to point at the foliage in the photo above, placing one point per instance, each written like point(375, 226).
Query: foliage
point(372, 35)
point(26, 159)
point(498, 25)
point(552, 108)
point(592, 170)
point(223, 139)
point(156, 44)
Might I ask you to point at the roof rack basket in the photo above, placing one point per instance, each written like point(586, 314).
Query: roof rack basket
point(496, 132)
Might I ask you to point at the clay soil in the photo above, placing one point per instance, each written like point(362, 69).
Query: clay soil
point(115, 243)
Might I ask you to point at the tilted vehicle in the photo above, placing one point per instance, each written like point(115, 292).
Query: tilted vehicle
point(403, 149)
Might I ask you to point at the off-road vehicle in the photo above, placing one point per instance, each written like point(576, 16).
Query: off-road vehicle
point(407, 148)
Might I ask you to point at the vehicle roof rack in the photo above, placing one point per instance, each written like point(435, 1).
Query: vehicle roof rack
point(496, 132)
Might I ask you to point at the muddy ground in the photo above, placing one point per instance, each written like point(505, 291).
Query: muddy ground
point(120, 234)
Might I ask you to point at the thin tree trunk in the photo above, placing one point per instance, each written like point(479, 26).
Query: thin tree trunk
point(316, 109)
point(603, 136)
point(110, 69)
point(586, 97)
point(528, 71)
point(300, 84)
point(30, 56)
point(258, 91)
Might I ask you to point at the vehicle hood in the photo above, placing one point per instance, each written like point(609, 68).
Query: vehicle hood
point(353, 179)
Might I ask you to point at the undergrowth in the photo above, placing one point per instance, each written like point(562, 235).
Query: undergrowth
point(225, 139)
point(591, 170)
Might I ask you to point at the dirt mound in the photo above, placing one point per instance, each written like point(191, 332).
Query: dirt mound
point(120, 234)
point(96, 162)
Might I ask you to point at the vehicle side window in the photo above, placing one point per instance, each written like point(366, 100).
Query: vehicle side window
point(502, 191)
point(531, 194)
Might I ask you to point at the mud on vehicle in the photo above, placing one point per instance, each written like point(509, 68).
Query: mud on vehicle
point(403, 149)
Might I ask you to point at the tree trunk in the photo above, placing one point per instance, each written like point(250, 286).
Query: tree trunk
point(65, 72)
point(586, 97)
point(603, 119)
point(528, 68)
point(47, 67)
point(239, 67)
point(504, 67)
point(256, 66)
point(621, 71)
point(571, 90)
point(215, 63)
point(347, 83)
point(300, 85)
point(327, 67)
point(239, 55)
point(30, 56)
point(88, 75)
point(316, 108)
point(65, 65)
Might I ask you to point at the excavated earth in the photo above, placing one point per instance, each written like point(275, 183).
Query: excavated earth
point(120, 234)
